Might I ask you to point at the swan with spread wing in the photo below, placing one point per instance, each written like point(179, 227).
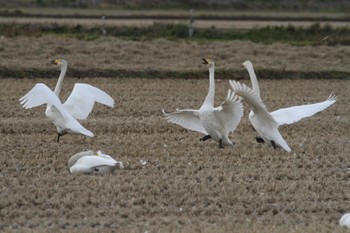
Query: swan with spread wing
point(215, 123)
point(77, 107)
point(267, 123)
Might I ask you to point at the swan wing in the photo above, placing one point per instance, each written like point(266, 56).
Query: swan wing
point(41, 94)
point(187, 118)
point(296, 113)
point(248, 95)
point(230, 112)
point(82, 100)
point(253, 100)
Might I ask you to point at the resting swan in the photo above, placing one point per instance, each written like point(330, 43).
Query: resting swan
point(265, 123)
point(78, 105)
point(88, 162)
point(215, 123)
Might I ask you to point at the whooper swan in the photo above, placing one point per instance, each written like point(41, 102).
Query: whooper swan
point(77, 107)
point(265, 123)
point(91, 162)
point(215, 123)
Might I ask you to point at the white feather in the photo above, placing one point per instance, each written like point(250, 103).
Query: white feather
point(294, 114)
point(82, 100)
point(345, 220)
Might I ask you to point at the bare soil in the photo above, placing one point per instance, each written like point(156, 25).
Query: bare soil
point(185, 55)
point(186, 185)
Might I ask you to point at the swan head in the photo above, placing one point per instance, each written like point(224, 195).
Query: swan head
point(247, 64)
point(208, 62)
point(59, 62)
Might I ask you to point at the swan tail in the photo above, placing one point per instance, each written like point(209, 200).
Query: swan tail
point(283, 143)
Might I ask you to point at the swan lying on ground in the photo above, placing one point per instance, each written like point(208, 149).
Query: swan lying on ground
point(215, 123)
point(89, 162)
point(265, 123)
point(345, 220)
point(78, 105)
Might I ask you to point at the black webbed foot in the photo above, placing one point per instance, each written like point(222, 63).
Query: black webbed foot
point(206, 137)
point(259, 140)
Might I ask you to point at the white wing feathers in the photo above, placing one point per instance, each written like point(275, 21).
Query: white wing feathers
point(187, 118)
point(42, 94)
point(296, 113)
point(230, 112)
point(82, 100)
point(248, 95)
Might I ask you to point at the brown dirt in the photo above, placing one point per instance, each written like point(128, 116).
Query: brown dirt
point(186, 185)
point(160, 54)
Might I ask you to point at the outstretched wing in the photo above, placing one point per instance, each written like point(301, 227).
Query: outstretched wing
point(253, 100)
point(187, 118)
point(41, 94)
point(82, 100)
point(230, 112)
point(296, 113)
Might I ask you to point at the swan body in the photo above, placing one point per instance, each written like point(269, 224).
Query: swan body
point(345, 220)
point(77, 107)
point(260, 118)
point(265, 123)
point(89, 162)
point(215, 123)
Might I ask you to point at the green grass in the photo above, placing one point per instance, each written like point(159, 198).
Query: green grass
point(313, 35)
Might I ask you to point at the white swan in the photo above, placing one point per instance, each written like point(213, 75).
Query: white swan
point(89, 162)
point(265, 123)
point(215, 123)
point(345, 220)
point(78, 105)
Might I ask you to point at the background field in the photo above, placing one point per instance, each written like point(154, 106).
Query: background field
point(186, 185)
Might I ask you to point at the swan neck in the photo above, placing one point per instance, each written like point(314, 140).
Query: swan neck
point(254, 80)
point(60, 80)
point(209, 100)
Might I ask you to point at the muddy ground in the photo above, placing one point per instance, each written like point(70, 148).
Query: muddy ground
point(186, 185)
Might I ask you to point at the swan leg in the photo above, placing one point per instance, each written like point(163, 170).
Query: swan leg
point(259, 140)
point(206, 137)
point(220, 143)
point(58, 137)
point(273, 144)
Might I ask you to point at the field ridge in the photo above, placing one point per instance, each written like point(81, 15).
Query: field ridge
point(178, 74)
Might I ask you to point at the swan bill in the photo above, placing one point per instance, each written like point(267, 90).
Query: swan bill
point(55, 62)
point(205, 61)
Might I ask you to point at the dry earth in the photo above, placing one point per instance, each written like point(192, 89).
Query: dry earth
point(184, 55)
point(186, 185)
